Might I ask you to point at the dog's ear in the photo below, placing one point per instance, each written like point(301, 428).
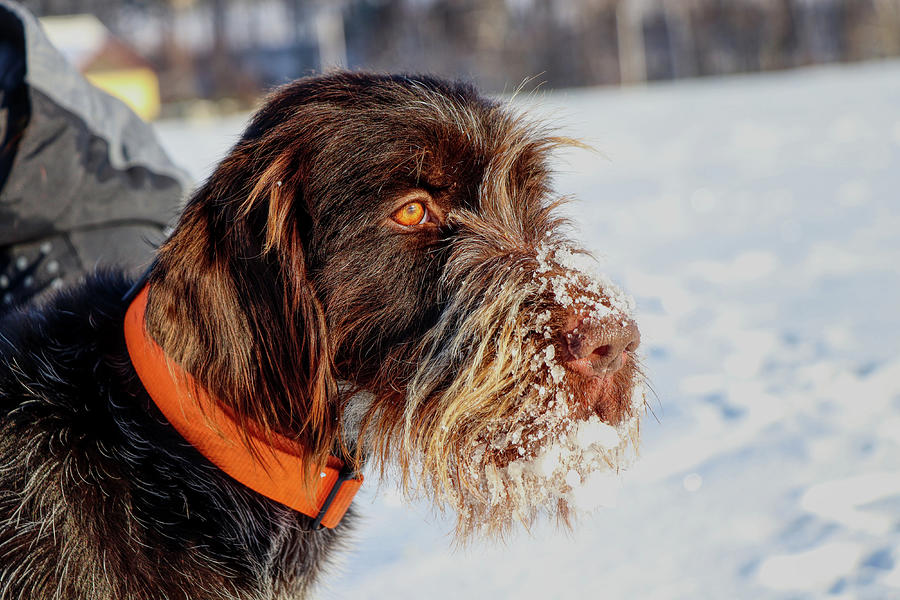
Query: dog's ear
point(232, 301)
point(278, 194)
point(278, 188)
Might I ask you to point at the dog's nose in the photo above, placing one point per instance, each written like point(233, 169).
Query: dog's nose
point(598, 346)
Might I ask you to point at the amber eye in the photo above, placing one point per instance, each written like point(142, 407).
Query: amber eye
point(411, 214)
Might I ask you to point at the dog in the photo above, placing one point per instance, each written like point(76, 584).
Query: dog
point(376, 274)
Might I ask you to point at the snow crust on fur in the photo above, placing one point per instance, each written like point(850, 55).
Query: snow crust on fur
point(563, 464)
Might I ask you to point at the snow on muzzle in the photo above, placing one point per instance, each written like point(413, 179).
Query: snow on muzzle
point(545, 400)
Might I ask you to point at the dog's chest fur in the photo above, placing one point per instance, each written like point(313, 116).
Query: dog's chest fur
point(100, 498)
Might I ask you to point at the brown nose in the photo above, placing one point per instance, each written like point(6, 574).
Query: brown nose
point(603, 342)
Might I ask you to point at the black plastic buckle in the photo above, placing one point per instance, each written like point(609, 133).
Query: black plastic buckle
point(139, 283)
point(345, 474)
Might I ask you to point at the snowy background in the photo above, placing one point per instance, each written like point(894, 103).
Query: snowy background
point(756, 220)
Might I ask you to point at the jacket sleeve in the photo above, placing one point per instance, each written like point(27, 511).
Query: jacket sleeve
point(83, 181)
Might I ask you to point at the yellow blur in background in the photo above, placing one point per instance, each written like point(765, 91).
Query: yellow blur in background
point(106, 61)
point(137, 87)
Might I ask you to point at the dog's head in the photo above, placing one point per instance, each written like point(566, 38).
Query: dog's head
point(377, 269)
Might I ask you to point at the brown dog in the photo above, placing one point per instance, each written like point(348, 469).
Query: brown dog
point(376, 273)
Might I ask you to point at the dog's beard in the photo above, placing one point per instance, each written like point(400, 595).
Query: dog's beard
point(493, 426)
point(547, 460)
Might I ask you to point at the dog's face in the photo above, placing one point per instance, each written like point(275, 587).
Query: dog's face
point(390, 255)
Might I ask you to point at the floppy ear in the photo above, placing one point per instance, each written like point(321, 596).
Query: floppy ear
point(279, 193)
point(232, 302)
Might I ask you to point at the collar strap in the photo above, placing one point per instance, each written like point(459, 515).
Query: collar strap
point(273, 470)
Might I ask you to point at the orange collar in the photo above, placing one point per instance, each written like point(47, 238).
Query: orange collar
point(273, 471)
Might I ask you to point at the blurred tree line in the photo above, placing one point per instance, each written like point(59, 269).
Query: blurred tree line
point(235, 48)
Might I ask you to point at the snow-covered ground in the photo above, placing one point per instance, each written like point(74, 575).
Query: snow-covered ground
point(757, 222)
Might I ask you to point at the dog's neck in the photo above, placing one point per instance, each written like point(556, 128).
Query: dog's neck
point(268, 464)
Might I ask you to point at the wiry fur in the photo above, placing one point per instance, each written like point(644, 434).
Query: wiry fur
point(288, 295)
point(101, 499)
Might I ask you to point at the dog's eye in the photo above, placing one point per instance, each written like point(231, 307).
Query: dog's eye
point(411, 214)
